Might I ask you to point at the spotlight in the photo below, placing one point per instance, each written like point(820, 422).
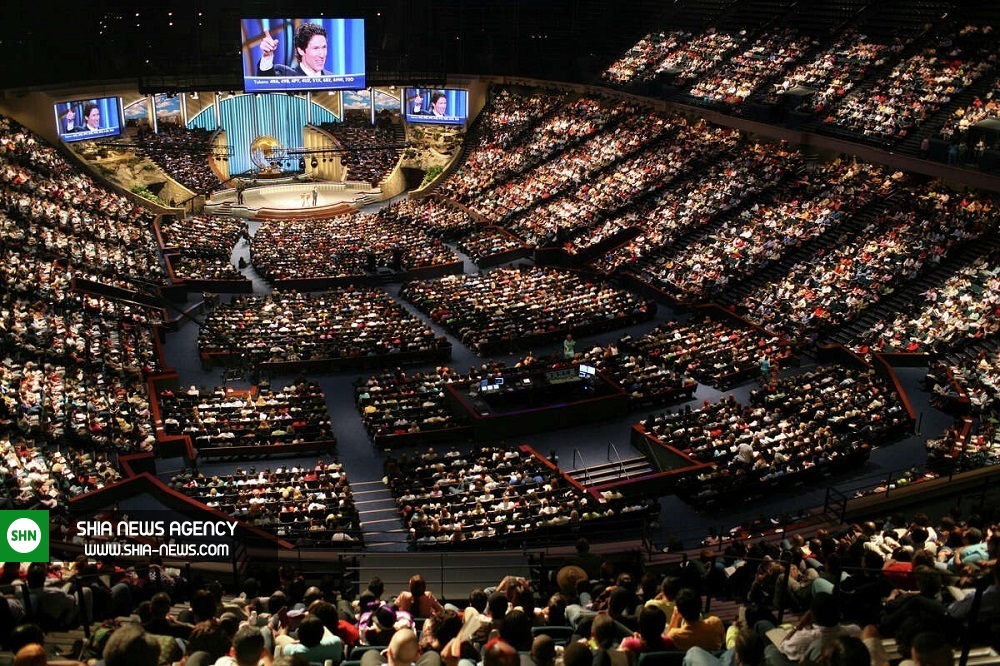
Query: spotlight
point(315, 163)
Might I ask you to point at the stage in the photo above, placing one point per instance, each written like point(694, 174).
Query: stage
point(291, 197)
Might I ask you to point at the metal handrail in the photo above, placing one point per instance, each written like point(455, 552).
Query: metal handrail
point(621, 463)
point(586, 470)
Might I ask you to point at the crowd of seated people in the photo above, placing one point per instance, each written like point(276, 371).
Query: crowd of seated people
point(395, 403)
point(964, 307)
point(438, 219)
point(492, 494)
point(713, 352)
point(831, 289)
point(917, 87)
point(681, 53)
point(646, 381)
point(738, 77)
point(869, 592)
point(969, 146)
point(722, 187)
point(370, 152)
point(310, 505)
point(505, 305)
point(903, 579)
point(978, 377)
point(204, 268)
point(958, 450)
point(337, 324)
point(182, 153)
point(343, 246)
point(572, 167)
point(73, 364)
point(203, 235)
point(571, 219)
point(492, 161)
point(805, 424)
point(815, 203)
point(53, 403)
point(957, 127)
point(509, 119)
point(295, 414)
point(488, 242)
point(36, 476)
point(54, 212)
point(837, 69)
point(638, 63)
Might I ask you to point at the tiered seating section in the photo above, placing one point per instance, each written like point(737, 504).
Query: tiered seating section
point(296, 414)
point(713, 352)
point(664, 219)
point(342, 325)
point(39, 477)
point(72, 364)
point(966, 306)
point(494, 496)
point(892, 249)
point(310, 505)
point(918, 86)
point(205, 246)
point(837, 69)
point(369, 153)
point(395, 403)
point(183, 154)
point(814, 204)
point(348, 245)
point(515, 307)
point(795, 429)
point(683, 55)
point(740, 76)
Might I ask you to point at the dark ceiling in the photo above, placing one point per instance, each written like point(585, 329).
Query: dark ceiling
point(195, 44)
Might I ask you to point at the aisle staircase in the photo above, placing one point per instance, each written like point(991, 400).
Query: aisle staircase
point(613, 470)
point(380, 522)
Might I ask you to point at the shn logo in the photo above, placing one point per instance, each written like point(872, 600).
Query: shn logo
point(24, 536)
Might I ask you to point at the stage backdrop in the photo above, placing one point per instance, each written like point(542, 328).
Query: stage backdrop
point(245, 117)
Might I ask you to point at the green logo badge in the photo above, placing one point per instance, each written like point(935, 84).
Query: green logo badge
point(24, 536)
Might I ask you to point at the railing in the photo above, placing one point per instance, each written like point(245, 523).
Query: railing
point(618, 456)
point(835, 503)
point(586, 470)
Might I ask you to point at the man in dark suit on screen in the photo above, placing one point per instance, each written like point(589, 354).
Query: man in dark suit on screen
point(310, 53)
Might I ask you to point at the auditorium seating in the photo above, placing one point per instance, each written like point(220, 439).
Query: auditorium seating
point(449, 500)
point(338, 327)
point(809, 206)
point(917, 87)
point(311, 505)
point(182, 153)
point(963, 307)
point(794, 429)
point(344, 246)
point(73, 363)
point(829, 290)
point(753, 169)
point(505, 307)
point(294, 415)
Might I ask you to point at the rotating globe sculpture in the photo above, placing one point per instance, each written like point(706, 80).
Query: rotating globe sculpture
point(267, 153)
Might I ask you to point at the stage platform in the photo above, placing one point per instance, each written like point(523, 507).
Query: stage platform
point(292, 198)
